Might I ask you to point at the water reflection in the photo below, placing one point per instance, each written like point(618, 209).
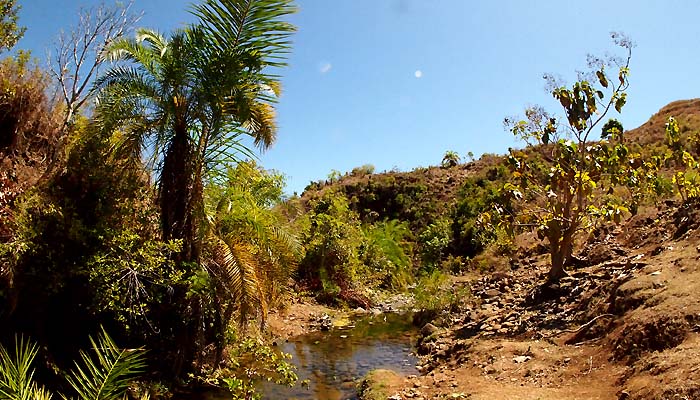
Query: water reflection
point(333, 361)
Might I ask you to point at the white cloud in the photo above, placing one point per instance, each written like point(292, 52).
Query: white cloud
point(325, 67)
point(418, 74)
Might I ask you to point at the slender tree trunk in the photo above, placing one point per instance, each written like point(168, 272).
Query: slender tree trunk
point(556, 251)
point(556, 271)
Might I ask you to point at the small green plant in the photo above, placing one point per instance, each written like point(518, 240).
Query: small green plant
point(334, 176)
point(104, 375)
point(685, 178)
point(251, 362)
point(435, 293)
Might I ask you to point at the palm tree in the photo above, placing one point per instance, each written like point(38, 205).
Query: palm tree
point(450, 159)
point(191, 98)
point(252, 251)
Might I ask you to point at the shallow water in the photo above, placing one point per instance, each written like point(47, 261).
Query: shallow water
point(333, 361)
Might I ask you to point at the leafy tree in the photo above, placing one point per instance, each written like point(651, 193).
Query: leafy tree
point(562, 183)
point(29, 131)
point(191, 98)
point(332, 241)
point(10, 33)
point(450, 159)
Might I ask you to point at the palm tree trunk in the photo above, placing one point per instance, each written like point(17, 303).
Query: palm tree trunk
point(176, 192)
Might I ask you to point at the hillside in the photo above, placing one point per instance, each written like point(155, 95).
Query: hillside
point(624, 325)
point(391, 194)
point(687, 112)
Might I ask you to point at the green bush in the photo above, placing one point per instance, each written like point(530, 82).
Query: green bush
point(435, 293)
point(332, 240)
point(477, 196)
point(435, 240)
point(387, 253)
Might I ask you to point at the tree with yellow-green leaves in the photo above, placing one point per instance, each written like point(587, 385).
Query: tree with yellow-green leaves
point(564, 182)
point(10, 32)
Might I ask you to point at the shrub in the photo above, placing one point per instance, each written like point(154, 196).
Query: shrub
point(435, 293)
point(363, 170)
point(331, 240)
point(387, 252)
point(434, 241)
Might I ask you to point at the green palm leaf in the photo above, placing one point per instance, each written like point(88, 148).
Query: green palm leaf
point(106, 374)
point(16, 372)
point(236, 267)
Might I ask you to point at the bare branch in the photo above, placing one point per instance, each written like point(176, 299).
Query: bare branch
point(76, 57)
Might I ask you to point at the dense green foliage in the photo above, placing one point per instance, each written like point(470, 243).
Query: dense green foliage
point(477, 196)
point(332, 242)
point(387, 251)
point(88, 242)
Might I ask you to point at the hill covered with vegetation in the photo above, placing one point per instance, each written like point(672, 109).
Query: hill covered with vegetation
point(143, 223)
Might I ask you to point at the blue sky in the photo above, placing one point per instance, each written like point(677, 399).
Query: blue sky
point(396, 83)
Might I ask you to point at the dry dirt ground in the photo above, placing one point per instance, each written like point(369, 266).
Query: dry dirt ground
point(624, 325)
point(302, 316)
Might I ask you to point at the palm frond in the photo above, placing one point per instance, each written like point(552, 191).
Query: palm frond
point(105, 375)
point(248, 26)
point(261, 125)
point(235, 267)
point(16, 373)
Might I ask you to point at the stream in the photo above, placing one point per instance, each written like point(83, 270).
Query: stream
point(333, 361)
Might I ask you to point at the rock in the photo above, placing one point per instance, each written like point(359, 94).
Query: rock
point(491, 293)
point(521, 359)
point(428, 329)
point(379, 384)
point(490, 369)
